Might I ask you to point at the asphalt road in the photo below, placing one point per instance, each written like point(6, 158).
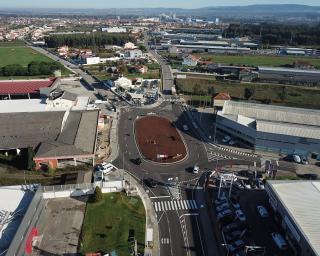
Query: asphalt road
point(181, 209)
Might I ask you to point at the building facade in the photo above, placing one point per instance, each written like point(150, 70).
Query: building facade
point(271, 128)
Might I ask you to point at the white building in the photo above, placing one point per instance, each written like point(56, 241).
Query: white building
point(271, 128)
point(92, 60)
point(190, 61)
point(132, 54)
point(114, 30)
point(123, 83)
point(130, 46)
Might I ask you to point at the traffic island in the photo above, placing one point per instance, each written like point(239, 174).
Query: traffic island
point(158, 140)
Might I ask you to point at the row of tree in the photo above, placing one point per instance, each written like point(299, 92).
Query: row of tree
point(34, 68)
point(275, 33)
point(97, 39)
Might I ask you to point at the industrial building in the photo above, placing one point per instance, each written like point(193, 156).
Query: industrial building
point(271, 128)
point(297, 205)
point(289, 75)
point(205, 48)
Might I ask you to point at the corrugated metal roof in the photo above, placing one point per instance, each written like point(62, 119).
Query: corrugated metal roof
point(273, 113)
point(292, 70)
point(289, 129)
point(302, 201)
point(23, 87)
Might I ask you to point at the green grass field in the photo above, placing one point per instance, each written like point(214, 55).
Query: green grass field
point(16, 53)
point(257, 60)
point(20, 55)
point(107, 223)
point(297, 96)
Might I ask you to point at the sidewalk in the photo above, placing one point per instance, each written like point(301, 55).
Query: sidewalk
point(114, 137)
point(151, 217)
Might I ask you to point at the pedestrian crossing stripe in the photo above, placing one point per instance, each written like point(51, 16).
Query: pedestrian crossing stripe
point(175, 205)
point(215, 156)
point(165, 240)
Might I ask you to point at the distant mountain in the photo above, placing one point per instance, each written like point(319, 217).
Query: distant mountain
point(287, 10)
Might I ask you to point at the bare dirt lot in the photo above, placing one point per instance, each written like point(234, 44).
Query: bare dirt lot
point(62, 227)
point(159, 140)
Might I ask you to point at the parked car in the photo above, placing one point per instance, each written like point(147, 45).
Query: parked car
point(222, 207)
point(240, 215)
point(234, 235)
point(235, 246)
point(185, 127)
point(279, 241)
point(218, 202)
point(234, 203)
point(231, 142)
point(226, 139)
point(231, 227)
point(224, 213)
point(262, 211)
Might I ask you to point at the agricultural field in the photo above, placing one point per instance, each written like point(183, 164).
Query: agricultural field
point(108, 225)
point(294, 96)
point(257, 60)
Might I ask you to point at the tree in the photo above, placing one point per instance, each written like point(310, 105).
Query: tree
point(30, 163)
point(97, 196)
point(283, 93)
point(248, 93)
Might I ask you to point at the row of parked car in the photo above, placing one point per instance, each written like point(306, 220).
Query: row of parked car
point(234, 227)
point(233, 224)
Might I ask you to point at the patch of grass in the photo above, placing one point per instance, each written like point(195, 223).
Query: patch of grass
point(16, 53)
point(107, 224)
point(12, 43)
point(298, 96)
point(20, 55)
point(258, 60)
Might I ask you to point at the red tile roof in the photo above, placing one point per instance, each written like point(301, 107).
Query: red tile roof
point(23, 87)
point(222, 96)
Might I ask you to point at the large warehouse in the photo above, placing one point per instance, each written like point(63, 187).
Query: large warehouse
point(289, 75)
point(297, 206)
point(271, 128)
point(58, 137)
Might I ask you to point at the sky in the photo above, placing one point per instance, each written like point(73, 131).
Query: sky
point(141, 3)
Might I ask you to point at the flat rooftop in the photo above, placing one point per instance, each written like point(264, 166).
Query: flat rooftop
point(18, 87)
point(302, 202)
point(14, 202)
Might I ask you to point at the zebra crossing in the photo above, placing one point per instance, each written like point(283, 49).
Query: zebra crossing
point(172, 100)
point(174, 205)
point(165, 240)
point(213, 156)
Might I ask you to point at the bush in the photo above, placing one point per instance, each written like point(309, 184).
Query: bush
point(97, 196)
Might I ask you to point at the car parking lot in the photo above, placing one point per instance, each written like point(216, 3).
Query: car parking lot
point(246, 221)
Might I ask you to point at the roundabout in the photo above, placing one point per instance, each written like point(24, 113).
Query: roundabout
point(159, 141)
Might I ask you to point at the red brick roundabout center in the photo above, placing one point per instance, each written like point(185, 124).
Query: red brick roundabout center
point(158, 140)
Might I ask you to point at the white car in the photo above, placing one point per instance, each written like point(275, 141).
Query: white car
point(185, 127)
point(262, 211)
point(196, 169)
point(226, 139)
point(240, 215)
point(280, 241)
